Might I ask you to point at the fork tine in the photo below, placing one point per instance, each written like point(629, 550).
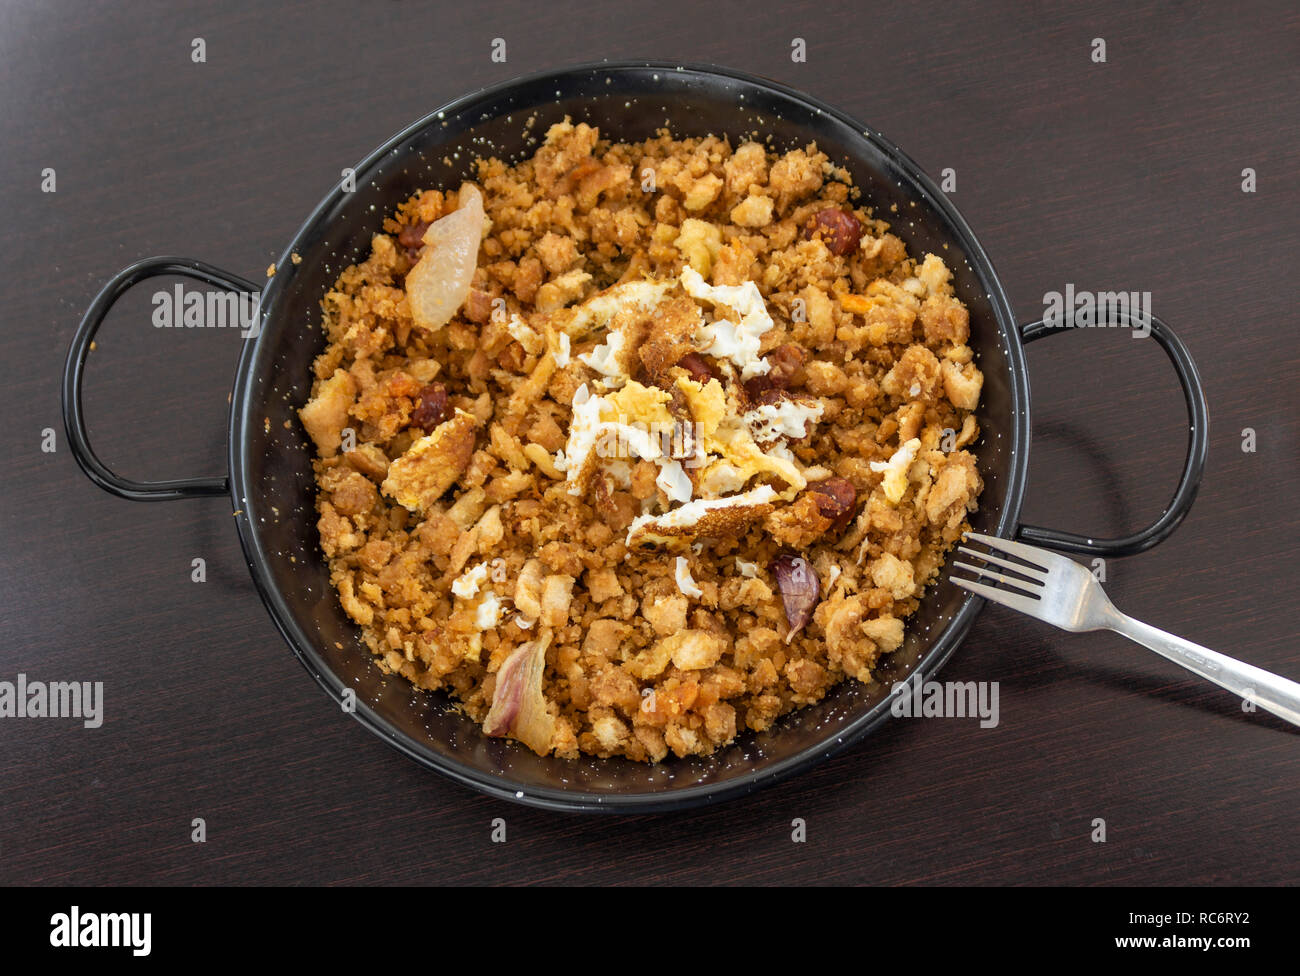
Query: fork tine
point(1001, 578)
point(1035, 556)
point(1005, 597)
point(1032, 572)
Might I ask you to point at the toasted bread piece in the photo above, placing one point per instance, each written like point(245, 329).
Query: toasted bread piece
point(431, 465)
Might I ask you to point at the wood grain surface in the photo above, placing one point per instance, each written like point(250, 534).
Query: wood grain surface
point(1120, 175)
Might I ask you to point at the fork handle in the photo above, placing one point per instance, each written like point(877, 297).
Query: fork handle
point(1279, 695)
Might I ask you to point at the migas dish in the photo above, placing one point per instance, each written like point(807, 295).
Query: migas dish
point(270, 479)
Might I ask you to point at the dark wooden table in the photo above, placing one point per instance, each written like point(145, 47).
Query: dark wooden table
point(1118, 175)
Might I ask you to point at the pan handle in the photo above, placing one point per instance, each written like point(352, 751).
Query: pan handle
point(1197, 447)
point(74, 368)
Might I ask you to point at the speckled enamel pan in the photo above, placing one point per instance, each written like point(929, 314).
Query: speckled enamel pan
point(270, 482)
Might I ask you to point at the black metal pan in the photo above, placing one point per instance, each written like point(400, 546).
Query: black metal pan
point(270, 481)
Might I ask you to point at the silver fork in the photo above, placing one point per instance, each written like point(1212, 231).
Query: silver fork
point(1063, 593)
